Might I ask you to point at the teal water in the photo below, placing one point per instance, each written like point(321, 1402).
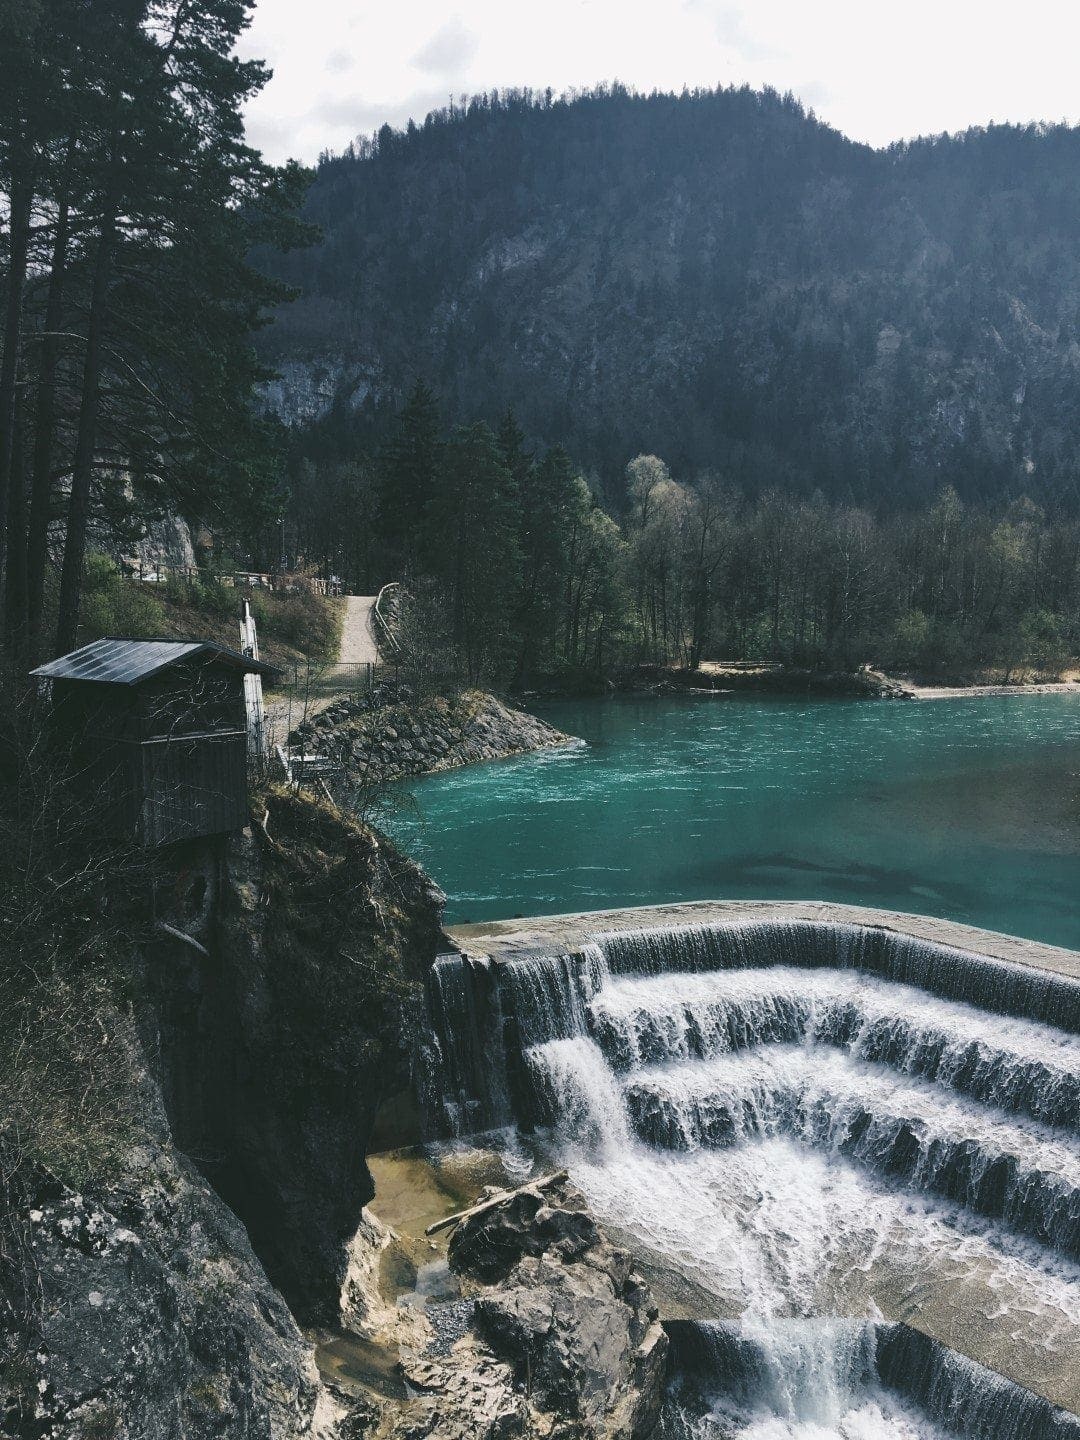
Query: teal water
point(968, 809)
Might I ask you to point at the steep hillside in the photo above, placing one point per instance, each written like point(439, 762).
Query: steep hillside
point(186, 1103)
point(715, 277)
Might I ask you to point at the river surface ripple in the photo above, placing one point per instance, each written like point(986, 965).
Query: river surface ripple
point(967, 809)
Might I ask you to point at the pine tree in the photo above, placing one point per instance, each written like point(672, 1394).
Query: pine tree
point(410, 477)
point(478, 556)
point(181, 199)
point(516, 455)
point(121, 132)
point(29, 77)
point(547, 510)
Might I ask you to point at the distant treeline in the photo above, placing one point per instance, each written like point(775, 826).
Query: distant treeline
point(517, 572)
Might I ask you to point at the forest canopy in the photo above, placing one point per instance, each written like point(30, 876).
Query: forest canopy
point(518, 573)
point(715, 277)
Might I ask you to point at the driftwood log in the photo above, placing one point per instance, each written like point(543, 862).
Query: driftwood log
point(499, 1198)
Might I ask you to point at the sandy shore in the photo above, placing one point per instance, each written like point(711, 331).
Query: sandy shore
point(964, 692)
point(903, 687)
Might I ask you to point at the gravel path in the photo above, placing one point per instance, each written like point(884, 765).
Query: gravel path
point(284, 710)
point(358, 645)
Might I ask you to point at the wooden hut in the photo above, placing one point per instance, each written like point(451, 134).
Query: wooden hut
point(157, 733)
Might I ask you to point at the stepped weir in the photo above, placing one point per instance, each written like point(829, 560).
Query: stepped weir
point(848, 1140)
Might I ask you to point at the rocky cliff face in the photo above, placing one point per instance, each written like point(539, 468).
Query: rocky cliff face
point(136, 1309)
point(279, 1046)
point(269, 1020)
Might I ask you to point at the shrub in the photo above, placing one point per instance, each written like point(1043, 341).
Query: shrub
point(112, 605)
point(306, 622)
point(911, 638)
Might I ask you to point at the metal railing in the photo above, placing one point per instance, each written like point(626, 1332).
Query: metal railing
point(385, 636)
point(276, 582)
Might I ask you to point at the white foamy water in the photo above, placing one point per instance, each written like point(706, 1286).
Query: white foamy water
point(797, 1380)
point(577, 1086)
point(775, 1229)
point(781, 1222)
point(824, 1094)
point(677, 1016)
point(879, 1417)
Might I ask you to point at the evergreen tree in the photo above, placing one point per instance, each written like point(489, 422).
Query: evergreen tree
point(516, 455)
point(477, 557)
point(127, 134)
point(411, 469)
point(548, 507)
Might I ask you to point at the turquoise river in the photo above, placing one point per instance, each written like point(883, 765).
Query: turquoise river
point(966, 808)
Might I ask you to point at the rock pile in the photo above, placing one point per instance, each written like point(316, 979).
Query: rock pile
point(390, 735)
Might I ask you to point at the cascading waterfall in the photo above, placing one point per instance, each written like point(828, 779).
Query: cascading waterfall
point(952, 974)
point(1016, 1066)
point(808, 1120)
point(862, 1381)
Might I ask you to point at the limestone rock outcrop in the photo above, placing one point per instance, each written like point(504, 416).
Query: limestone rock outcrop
point(557, 1335)
point(134, 1308)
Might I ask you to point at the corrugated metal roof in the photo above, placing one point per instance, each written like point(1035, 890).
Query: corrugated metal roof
point(127, 662)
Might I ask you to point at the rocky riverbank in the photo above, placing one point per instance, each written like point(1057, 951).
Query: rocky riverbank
point(723, 678)
point(546, 1329)
point(905, 687)
point(783, 680)
point(391, 734)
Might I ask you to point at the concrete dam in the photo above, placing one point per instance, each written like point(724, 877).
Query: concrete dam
point(845, 1143)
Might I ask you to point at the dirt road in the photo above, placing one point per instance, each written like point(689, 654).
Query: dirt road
point(358, 644)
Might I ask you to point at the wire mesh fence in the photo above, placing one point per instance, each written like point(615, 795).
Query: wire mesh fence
point(309, 678)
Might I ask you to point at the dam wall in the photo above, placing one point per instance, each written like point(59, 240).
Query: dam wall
point(810, 1111)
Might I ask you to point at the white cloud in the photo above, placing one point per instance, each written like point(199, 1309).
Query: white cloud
point(449, 50)
point(877, 69)
point(735, 34)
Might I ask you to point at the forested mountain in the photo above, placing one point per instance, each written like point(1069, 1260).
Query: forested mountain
point(715, 277)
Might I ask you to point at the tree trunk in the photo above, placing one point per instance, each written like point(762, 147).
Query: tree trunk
point(21, 198)
point(44, 428)
point(15, 576)
point(71, 576)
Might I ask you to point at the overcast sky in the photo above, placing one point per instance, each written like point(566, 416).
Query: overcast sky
point(876, 69)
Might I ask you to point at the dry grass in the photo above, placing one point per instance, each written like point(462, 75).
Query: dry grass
point(69, 914)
